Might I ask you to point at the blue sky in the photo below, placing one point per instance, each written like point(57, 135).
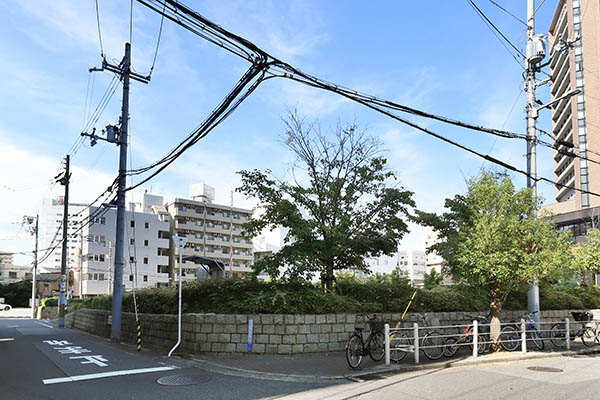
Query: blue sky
point(436, 56)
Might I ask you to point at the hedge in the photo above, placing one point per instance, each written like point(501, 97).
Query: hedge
point(246, 296)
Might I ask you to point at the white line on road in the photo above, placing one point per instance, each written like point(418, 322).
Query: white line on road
point(8, 339)
point(105, 375)
point(13, 326)
point(46, 325)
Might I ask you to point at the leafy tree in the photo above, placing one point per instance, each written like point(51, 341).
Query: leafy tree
point(344, 212)
point(586, 256)
point(433, 279)
point(491, 239)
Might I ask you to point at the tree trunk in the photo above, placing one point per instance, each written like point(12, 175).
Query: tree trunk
point(496, 304)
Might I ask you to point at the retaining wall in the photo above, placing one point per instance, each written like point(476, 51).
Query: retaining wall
point(272, 333)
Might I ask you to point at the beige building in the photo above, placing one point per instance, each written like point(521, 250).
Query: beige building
point(574, 43)
point(212, 231)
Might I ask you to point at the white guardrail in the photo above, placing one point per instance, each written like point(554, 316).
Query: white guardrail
point(444, 341)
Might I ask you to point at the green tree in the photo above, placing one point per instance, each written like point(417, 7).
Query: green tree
point(491, 239)
point(433, 279)
point(343, 212)
point(586, 256)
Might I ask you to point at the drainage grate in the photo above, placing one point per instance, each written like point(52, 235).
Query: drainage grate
point(545, 369)
point(182, 380)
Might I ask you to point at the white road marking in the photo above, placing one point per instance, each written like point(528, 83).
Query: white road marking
point(8, 339)
point(13, 326)
point(46, 325)
point(105, 375)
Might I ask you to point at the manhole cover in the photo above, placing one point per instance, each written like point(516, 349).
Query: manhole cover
point(182, 380)
point(545, 369)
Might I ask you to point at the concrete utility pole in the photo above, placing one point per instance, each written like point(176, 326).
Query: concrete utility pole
point(533, 296)
point(124, 70)
point(62, 302)
point(115, 334)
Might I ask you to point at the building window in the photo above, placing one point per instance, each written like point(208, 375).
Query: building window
point(101, 257)
point(146, 243)
point(147, 225)
point(12, 275)
point(132, 242)
point(145, 260)
point(132, 224)
point(130, 259)
point(100, 277)
point(130, 278)
point(145, 278)
point(95, 277)
point(102, 220)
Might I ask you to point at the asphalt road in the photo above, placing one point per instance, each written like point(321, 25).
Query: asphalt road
point(40, 361)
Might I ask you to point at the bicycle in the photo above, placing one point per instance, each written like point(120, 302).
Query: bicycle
point(587, 334)
point(432, 343)
point(510, 335)
point(356, 347)
point(452, 343)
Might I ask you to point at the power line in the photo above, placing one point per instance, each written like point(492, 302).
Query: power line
point(508, 12)
point(162, 19)
point(99, 33)
point(497, 32)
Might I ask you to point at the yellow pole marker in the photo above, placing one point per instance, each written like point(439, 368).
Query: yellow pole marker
point(405, 310)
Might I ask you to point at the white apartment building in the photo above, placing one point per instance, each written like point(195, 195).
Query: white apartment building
point(9, 272)
point(212, 231)
point(50, 235)
point(146, 252)
point(433, 260)
point(412, 263)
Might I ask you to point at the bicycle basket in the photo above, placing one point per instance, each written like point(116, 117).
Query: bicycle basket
point(582, 316)
point(376, 325)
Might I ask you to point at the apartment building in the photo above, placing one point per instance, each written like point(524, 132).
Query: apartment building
point(146, 252)
point(9, 272)
point(412, 263)
point(575, 64)
point(212, 230)
point(50, 235)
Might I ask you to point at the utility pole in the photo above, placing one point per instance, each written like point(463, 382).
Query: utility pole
point(29, 221)
point(62, 302)
point(231, 237)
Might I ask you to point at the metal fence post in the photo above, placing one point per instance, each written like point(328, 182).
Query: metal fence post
point(475, 338)
point(416, 341)
point(568, 333)
point(386, 334)
point(523, 337)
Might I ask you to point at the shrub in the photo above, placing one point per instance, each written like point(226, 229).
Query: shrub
point(17, 294)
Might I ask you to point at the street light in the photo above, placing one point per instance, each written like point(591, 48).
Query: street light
point(180, 242)
point(34, 231)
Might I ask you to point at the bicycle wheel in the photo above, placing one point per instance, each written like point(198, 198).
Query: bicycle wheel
point(537, 340)
point(558, 336)
point(376, 346)
point(450, 347)
point(510, 338)
point(482, 343)
point(433, 345)
point(398, 344)
point(588, 336)
point(354, 351)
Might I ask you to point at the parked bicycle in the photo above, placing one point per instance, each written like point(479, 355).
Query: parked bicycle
point(357, 348)
point(452, 343)
point(588, 334)
point(510, 335)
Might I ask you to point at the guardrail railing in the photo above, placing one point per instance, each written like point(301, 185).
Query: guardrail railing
point(524, 335)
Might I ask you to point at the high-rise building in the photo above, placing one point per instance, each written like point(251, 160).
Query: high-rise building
point(212, 231)
point(412, 263)
point(574, 43)
point(50, 226)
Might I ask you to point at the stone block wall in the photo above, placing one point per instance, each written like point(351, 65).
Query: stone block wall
point(272, 333)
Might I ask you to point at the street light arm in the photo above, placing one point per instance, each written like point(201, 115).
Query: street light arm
point(555, 101)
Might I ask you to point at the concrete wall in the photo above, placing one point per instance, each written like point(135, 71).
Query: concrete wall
point(272, 333)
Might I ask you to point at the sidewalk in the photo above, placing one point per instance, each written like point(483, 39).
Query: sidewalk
point(332, 367)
